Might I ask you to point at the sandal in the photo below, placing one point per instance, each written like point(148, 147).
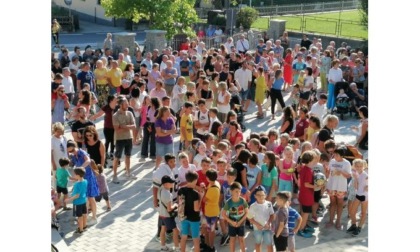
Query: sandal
point(329, 225)
point(338, 226)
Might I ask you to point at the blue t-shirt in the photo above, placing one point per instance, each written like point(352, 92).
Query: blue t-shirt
point(226, 191)
point(80, 187)
point(278, 84)
point(293, 216)
point(251, 175)
point(86, 77)
point(299, 66)
point(62, 176)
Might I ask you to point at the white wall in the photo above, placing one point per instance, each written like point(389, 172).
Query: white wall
point(86, 7)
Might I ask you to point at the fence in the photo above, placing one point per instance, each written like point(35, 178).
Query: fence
point(295, 8)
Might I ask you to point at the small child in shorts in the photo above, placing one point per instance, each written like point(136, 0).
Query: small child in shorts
point(294, 222)
point(103, 188)
point(79, 199)
point(280, 223)
point(63, 176)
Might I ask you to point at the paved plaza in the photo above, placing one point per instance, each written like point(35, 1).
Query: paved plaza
point(131, 225)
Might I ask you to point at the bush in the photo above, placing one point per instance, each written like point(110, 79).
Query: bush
point(246, 16)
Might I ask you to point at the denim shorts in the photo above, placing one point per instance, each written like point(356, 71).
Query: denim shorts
point(244, 94)
point(263, 236)
point(285, 185)
point(193, 226)
point(163, 149)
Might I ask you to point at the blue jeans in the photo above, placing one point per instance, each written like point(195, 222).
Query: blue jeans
point(331, 96)
point(263, 236)
point(163, 149)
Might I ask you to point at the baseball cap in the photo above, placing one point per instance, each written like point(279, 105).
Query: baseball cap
point(167, 179)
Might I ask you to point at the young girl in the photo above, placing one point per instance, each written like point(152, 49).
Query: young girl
point(272, 143)
point(311, 133)
point(286, 170)
point(295, 97)
point(253, 175)
point(295, 144)
point(301, 79)
point(361, 186)
point(103, 188)
point(143, 112)
point(269, 175)
point(261, 87)
point(201, 149)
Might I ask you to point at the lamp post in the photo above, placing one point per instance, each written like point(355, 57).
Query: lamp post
point(68, 3)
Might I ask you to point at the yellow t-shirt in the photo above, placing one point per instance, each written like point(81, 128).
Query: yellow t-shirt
point(122, 65)
point(187, 122)
point(99, 73)
point(309, 132)
point(300, 81)
point(211, 208)
point(115, 75)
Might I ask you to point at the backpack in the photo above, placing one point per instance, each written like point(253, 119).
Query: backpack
point(353, 151)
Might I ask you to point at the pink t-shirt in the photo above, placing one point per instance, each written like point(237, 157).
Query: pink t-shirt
point(283, 175)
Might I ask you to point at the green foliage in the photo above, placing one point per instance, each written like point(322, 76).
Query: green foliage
point(363, 8)
point(218, 4)
point(246, 16)
point(175, 16)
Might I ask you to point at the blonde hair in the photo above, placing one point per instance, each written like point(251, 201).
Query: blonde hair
point(57, 126)
point(161, 111)
point(358, 161)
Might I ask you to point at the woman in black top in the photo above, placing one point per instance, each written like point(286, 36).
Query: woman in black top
point(238, 165)
point(94, 147)
point(288, 120)
point(209, 67)
point(327, 133)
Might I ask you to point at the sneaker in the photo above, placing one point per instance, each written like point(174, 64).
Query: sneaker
point(356, 232)
point(304, 234)
point(203, 247)
point(224, 240)
point(314, 219)
point(130, 176)
point(352, 228)
point(165, 248)
point(309, 229)
point(189, 238)
point(92, 222)
point(211, 249)
point(115, 180)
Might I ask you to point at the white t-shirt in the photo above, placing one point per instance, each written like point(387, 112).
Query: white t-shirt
point(261, 212)
point(68, 85)
point(197, 160)
point(243, 76)
point(59, 148)
point(242, 46)
point(204, 118)
point(318, 110)
point(338, 182)
point(176, 101)
point(161, 171)
point(362, 181)
point(228, 46)
point(182, 171)
point(335, 74)
point(308, 80)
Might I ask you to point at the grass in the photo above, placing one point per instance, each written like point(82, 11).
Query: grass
point(317, 23)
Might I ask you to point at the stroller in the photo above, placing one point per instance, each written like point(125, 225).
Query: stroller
point(235, 105)
point(342, 105)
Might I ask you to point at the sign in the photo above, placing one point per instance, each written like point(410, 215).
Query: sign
point(68, 2)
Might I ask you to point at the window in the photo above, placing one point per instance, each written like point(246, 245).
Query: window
point(99, 2)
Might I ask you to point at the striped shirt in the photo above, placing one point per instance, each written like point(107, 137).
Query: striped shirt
point(293, 216)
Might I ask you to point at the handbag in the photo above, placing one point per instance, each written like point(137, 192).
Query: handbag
point(174, 212)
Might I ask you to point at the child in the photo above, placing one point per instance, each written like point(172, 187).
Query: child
point(284, 141)
point(361, 186)
point(261, 214)
point(295, 97)
point(79, 199)
point(253, 175)
point(272, 140)
point(221, 171)
point(224, 148)
point(342, 94)
point(295, 143)
point(294, 221)
point(306, 191)
point(301, 79)
point(213, 117)
point(211, 208)
point(63, 176)
point(224, 197)
point(305, 147)
point(184, 168)
point(103, 188)
point(318, 192)
point(286, 170)
point(260, 89)
point(280, 223)
point(235, 212)
point(269, 175)
point(186, 126)
point(201, 148)
point(189, 201)
point(166, 213)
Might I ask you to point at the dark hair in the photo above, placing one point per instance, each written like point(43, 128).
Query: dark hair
point(90, 129)
point(324, 157)
point(254, 158)
point(80, 171)
point(263, 140)
point(155, 102)
point(169, 156)
point(239, 146)
point(135, 92)
point(165, 98)
point(342, 150)
point(272, 157)
point(253, 135)
point(232, 172)
point(190, 176)
point(229, 114)
point(244, 156)
point(277, 74)
point(283, 196)
point(214, 75)
point(323, 96)
point(309, 69)
point(364, 111)
point(234, 123)
point(201, 101)
point(188, 105)
point(63, 162)
point(288, 113)
point(71, 143)
point(215, 127)
point(206, 160)
point(307, 157)
point(315, 120)
point(110, 98)
point(86, 98)
point(235, 185)
point(211, 174)
point(207, 136)
point(329, 144)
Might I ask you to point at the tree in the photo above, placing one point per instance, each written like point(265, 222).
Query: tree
point(364, 12)
point(174, 16)
point(246, 16)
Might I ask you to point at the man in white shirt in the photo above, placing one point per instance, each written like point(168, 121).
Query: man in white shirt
point(163, 65)
point(127, 57)
point(244, 77)
point(202, 119)
point(68, 84)
point(319, 109)
point(242, 45)
point(218, 33)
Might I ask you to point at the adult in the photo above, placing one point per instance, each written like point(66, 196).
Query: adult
point(223, 99)
point(80, 158)
point(68, 84)
point(79, 126)
point(55, 30)
point(308, 84)
point(148, 61)
point(287, 67)
point(362, 139)
point(234, 135)
point(312, 131)
point(334, 75)
point(123, 121)
point(86, 76)
point(108, 111)
point(94, 146)
point(319, 108)
point(135, 103)
point(229, 44)
point(158, 91)
point(121, 62)
point(275, 90)
point(201, 119)
point(58, 145)
point(102, 88)
point(149, 131)
point(357, 96)
point(302, 124)
point(165, 129)
point(288, 120)
point(209, 66)
point(56, 67)
point(278, 51)
point(59, 105)
point(298, 66)
point(108, 42)
point(127, 57)
point(244, 78)
point(184, 65)
point(305, 42)
point(325, 68)
point(358, 72)
point(346, 69)
point(242, 45)
point(114, 77)
point(239, 165)
point(285, 41)
point(327, 133)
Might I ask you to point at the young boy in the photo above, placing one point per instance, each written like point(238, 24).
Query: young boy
point(221, 171)
point(166, 210)
point(293, 223)
point(186, 126)
point(211, 208)
point(235, 212)
point(224, 197)
point(261, 214)
point(63, 176)
point(189, 201)
point(79, 199)
point(103, 188)
point(272, 140)
point(306, 192)
point(318, 168)
point(280, 225)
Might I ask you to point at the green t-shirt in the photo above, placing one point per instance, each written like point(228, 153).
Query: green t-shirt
point(267, 177)
point(235, 210)
point(62, 176)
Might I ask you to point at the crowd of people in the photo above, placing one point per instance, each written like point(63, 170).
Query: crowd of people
point(224, 180)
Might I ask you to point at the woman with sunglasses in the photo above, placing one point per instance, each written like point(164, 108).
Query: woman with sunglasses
point(80, 158)
point(94, 147)
point(59, 105)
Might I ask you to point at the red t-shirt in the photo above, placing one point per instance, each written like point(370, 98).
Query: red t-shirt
point(306, 195)
point(202, 179)
point(301, 125)
point(238, 135)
